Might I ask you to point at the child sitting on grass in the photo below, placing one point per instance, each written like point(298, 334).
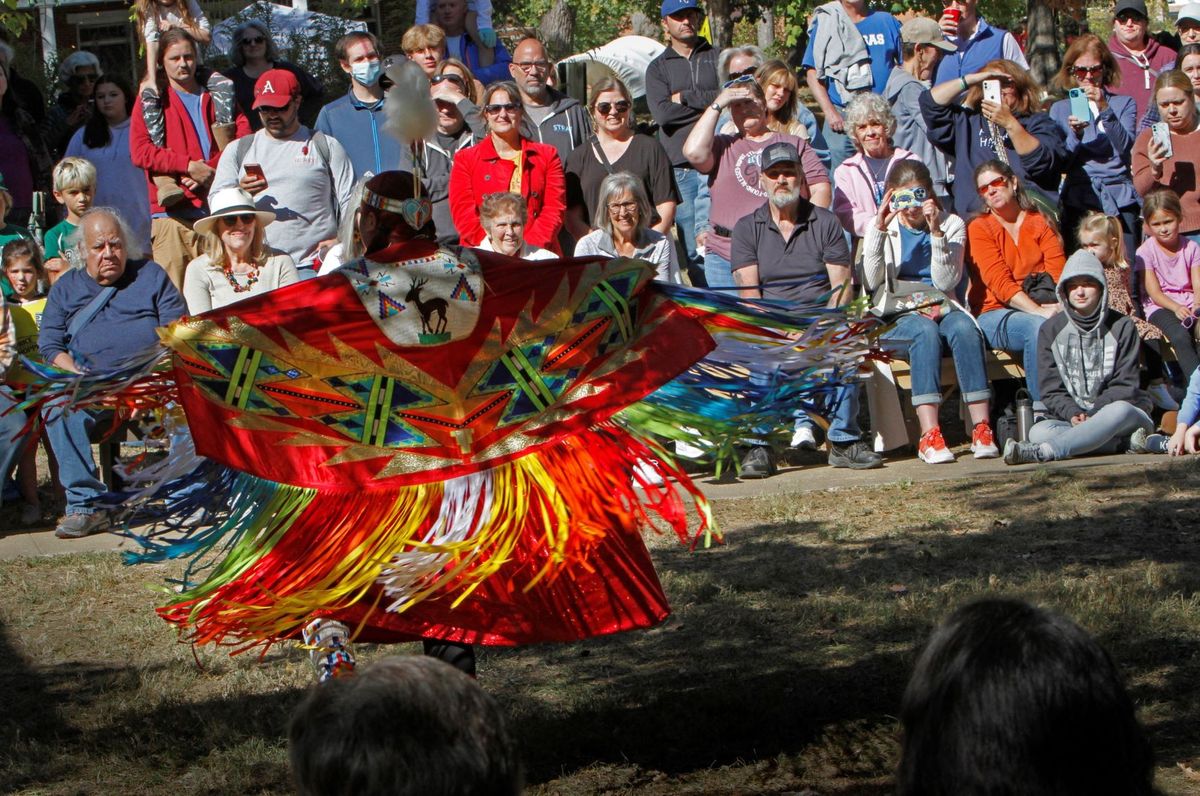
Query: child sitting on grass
point(74, 189)
point(1088, 373)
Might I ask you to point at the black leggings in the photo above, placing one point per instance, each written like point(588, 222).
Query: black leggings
point(460, 656)
point(1181, 340)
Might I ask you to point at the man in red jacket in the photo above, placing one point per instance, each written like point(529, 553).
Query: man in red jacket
point(190, 153)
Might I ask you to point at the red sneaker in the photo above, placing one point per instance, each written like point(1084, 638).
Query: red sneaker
point(932, 448)
point(983, 443)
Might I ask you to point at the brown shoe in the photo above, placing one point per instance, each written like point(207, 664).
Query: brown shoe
point(169, 192)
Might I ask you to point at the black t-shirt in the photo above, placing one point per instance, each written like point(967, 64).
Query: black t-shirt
point(644, 158)
point(793, 269)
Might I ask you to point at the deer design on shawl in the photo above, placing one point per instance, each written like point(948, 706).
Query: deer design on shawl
point(428, 309)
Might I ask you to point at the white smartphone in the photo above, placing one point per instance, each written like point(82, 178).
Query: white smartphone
point(1162, 134)
point(991, 90)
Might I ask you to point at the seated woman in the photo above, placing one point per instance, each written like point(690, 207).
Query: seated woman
point(1014, 250)
point(914, 239)
point(1088, 373)
point(622, 218)
point(858, 183)
point(973, 130)
point(238, 264)
point(504, 216)
point(1156, 167)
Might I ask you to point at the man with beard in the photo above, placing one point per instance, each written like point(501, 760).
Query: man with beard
point(550, 117)
point(791, 249)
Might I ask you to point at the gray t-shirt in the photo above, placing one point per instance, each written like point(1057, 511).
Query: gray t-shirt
point(792, 269)
point(307, 195)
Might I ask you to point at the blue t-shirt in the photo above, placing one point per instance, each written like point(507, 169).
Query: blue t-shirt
point(916, 255)
point(881, 32)
point(194, 103)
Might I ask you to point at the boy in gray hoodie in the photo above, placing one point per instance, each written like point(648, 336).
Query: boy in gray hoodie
point(1087, 373)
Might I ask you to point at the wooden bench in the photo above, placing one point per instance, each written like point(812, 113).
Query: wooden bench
point(893, 419)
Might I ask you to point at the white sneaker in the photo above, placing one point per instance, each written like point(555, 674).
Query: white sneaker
point(803, 439)
point(645, 474)
point(687, 450)
point(1161, 397)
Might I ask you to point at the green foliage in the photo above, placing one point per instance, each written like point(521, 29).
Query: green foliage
point(596, 21)
point(12, 21)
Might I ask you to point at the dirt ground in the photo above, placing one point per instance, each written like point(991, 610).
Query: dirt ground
point(780, 671)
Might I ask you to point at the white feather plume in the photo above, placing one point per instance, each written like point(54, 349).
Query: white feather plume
point(411, 114)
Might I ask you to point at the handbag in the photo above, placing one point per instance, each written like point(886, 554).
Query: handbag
point(1040, 287)
point(896, 297)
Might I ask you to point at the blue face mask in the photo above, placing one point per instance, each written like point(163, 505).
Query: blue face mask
point(366, 72)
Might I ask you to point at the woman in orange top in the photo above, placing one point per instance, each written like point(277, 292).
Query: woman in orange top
point(1011, 244)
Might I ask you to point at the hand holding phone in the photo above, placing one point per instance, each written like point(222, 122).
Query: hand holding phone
point(991, 90)
point(254, 181)
point(1160, 133)
point(255, 172)
point(1081, 107)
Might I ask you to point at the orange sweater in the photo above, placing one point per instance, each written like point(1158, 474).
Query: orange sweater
point(998, 264)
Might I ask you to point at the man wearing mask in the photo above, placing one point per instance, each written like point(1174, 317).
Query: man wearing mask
point(356, 120)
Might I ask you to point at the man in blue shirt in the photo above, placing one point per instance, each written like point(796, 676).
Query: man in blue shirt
point(976, 41)
point(356, 120)
point(824, 65)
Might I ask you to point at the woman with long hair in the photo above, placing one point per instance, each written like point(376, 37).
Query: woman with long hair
point(1016, 260)
point(104, 141)
point(1014, 130)
point(24, 160)
point(1156, 167)
point(617, 147)
point(254, 52)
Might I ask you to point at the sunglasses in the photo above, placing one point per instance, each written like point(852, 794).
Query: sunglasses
point(241, 218)
point(999, 182)
point(1125, 17)
point(496, 107)
point(1084, 71)
point(747, 72)
point(442, 78)
point(604, 108)
point(737, 81)
point(84, 78)
point(253, 40)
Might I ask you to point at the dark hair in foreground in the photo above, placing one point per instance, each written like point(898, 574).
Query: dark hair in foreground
point(1007, 698)
point(402, 726)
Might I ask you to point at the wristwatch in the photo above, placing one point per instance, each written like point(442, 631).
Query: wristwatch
point(716, 106)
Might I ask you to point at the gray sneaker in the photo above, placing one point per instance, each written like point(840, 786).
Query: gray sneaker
point(77, 526)
point(856, 455)
point(1024, 453)
point(1142, 441)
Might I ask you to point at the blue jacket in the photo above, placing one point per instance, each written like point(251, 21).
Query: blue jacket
point(986, 45)
point(1098, 164)
point(964, 134)
point(145, 299)
point(468, 53)
point(359, 129)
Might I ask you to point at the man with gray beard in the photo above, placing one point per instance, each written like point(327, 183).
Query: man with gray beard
point(791, 249)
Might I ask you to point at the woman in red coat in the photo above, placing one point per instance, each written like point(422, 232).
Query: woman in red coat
point(507, 161)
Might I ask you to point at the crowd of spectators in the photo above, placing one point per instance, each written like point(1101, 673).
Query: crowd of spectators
point(939, 169)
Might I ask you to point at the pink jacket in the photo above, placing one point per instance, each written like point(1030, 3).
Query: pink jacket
point(854, 191)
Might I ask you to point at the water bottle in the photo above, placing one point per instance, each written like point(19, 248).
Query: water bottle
point(37, 217)
point(1024, 415)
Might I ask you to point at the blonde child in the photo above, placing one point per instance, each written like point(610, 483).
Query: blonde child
point(74, 189)
point(154, 18)
point(1169, 265)
point(23, 268)
point(1102, 236)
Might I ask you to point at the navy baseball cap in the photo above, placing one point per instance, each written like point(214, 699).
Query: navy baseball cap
point(670, 7)
point(778, 152)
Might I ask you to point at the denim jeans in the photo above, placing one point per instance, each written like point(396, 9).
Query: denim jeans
point(70, 434)
point(926, 339)
point(10, 430)
point(1103, 432)
point(691, 215)
point(841, 410)
point(717, 271)
point(1017, 333)
point(840, 146)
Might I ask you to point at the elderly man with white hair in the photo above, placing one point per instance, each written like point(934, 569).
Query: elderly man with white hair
point(95, 318)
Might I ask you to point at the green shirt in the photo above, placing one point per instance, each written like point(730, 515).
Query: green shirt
point(10, 232)
point(56, 237)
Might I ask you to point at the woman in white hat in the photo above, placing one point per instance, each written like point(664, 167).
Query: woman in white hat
point(238, 263)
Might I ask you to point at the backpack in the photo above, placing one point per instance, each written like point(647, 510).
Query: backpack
point(320, 143)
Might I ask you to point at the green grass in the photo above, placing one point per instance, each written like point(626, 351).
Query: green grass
point(780, 671)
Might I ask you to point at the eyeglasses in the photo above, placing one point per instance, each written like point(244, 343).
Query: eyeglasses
point(622, 207)
point(737, 81)
point(604, 108)
point(241, 218)
point(253, 40)
point(749, 71)
point(87, 78)
point(999, 182)
point(496, 107)
point(453, 78)
point(531, 66)
point(1086, 71)
point(1125, 17)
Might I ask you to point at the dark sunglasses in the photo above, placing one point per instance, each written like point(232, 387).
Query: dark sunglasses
point(604, 108)
point(241, 218)
point(999, 182)
point(496, 107)
point(749, 71)
point(1087, 70)
point(442, 78)
point(253, 40)
point(738, 81)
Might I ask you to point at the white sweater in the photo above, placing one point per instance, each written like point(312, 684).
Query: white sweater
point(882, 250)
point(205, 288)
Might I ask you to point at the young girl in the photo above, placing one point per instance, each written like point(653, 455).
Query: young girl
point(1103, 236)
point(23, 268)
point(1170, 269)
point(154, 18)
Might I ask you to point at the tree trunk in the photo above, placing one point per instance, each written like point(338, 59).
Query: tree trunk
point(557, 30)
point(1041, 48)
point(719, 23)
point(766, 30)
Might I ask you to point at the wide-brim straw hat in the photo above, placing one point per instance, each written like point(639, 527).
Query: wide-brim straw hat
point(230, 202)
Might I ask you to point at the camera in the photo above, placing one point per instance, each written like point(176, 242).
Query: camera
point(908, 197)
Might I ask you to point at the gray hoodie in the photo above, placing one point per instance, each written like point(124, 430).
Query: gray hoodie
point(567, 126)
point(901, 92)
point(1086, 362)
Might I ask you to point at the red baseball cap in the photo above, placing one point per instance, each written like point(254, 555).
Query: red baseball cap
point(275, 88)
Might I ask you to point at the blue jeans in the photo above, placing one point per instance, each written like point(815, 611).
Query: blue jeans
point(10, 430)
point(691, 215)
point(1103, 432)
point(70, 434)
point(840, 146)
point(1017, 333)
point(717, 271)
point(841, 409)
point(926, 339)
